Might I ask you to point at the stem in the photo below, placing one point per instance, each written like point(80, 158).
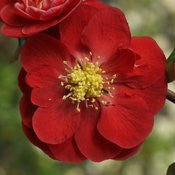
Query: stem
point(171, 96)
point(170, 67)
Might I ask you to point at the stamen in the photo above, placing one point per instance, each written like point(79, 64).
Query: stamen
point(62, 77)
point(67, 70)
point(86, 102)
point(86, 58)
point(62, 83)
point(65, 62)
point(93, 100)
point(78, 107)
point(66, 96)
point(86, 83)
point(96, 108)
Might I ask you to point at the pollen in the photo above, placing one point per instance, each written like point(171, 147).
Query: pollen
point(86, 82)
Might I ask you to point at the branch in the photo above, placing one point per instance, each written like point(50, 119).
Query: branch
point(171, 96)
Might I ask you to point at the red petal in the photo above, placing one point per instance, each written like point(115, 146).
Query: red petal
point(151, 65)
point(8, 15)
point(45, 97)
point(27, 109)
point(127, 153)
point(106, 32)
point(40, 26)
point(121, 62)
point(3, 3)
point(155, 95)
point(127, 123)
point(91, 144)
point(67, 151)
point(20, 10)
point(12, 31)
point(43, 76)
point(43, 50)
point(33, 138)
point(56, 124)
point(21, 81)
point(71, 28)
point(95, 3)
point(36, 27)
point(56, 11)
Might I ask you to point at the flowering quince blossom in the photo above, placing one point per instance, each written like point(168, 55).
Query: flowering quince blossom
point(92, 94)
point(26, 17)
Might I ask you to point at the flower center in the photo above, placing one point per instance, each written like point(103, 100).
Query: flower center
point(86, 81)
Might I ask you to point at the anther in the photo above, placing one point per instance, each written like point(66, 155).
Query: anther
point(93, 100)
point(65, 62)
point(96, 108)
point(66, 96)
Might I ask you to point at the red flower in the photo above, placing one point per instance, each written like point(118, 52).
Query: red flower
point(92, 95)
point(26, 17)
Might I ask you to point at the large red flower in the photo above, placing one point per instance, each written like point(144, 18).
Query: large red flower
point(26, 17)
point(92, 95)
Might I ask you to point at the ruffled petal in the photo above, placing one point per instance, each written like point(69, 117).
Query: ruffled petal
point(45, 97)
point(12, 31)
point(148, 79)
point(9, 16)
point(155, 95)
point(3, 3)
point(67, 151)
point(127, 153)
point(33, 138)
point(106, 32)
point(27, 109)
point(95, 3)
point(127, 123)
point(38, 26)
point(91, 144)
point(56, 124)
point(43, 50)
point(43, 76)
point(21, 81)
point(121, 62)
point(151, 65)
point(71, 29)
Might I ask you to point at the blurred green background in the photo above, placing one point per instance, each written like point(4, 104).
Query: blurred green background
point(18, 156)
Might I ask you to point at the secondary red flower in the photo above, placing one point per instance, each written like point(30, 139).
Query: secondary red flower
point(26, 17)
point(92, 95)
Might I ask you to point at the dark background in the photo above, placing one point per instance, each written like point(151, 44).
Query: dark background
point(155, 18)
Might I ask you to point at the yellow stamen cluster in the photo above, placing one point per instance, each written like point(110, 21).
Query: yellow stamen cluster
point(85, 82)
